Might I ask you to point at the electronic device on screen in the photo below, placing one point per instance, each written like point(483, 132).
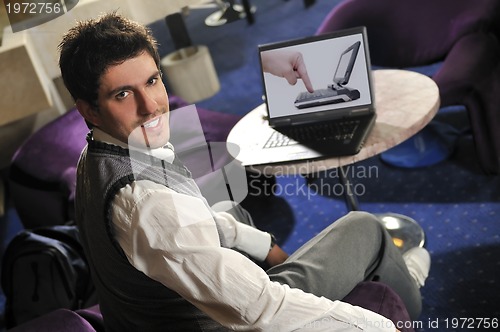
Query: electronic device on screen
point(338, 91)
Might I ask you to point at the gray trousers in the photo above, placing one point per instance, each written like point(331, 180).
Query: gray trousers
point(353, 249)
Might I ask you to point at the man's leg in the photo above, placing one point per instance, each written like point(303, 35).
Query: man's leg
point(353, 249)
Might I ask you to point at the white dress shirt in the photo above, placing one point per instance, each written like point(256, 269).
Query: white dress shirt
point(172, 238)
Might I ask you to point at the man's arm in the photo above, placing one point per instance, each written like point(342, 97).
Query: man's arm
point(257, 244)
point(178, 245)
point(276, 256)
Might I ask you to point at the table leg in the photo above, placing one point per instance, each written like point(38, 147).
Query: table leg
point(405, 231)
point(309, 3)
point(351, 199)
point(248, 11)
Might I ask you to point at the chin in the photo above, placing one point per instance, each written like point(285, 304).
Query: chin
point(149, 142)
point(152, 136)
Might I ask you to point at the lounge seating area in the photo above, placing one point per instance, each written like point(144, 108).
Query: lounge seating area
point(456, 199)
point(375, 296)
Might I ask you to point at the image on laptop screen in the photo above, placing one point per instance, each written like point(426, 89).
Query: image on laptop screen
point(338, 67)
point(346, 63)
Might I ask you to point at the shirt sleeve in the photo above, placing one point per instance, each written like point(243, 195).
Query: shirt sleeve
point(178, 245)
point(245, 238)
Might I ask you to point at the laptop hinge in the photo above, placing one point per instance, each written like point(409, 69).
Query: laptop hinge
point(282, 122)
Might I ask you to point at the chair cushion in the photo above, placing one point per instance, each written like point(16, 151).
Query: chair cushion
point(93, 316)
point(57, 320)
point(380, 298)
point(50, 151)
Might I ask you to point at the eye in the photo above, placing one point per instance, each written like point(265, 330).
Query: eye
point(152, 80)
point(121, 95)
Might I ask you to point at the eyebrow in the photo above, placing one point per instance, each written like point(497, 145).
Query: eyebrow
point(130, 87)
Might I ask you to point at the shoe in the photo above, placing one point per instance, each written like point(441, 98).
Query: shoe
point(418, 262)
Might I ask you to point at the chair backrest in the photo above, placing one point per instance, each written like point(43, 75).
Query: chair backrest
point(405, 33)
point(42, 171)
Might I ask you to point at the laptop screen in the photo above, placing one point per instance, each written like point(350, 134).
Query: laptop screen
point(336, 61)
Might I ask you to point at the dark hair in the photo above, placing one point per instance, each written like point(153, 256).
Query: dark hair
point(89, 48)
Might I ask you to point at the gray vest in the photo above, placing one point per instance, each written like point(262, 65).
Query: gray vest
point(129, 300)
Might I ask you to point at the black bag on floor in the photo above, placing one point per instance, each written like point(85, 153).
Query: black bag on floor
point(42, 270)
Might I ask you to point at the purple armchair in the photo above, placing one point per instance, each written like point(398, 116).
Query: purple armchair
point(83, 320)
point(371, 295)
point(42, 175)
point(462, 34)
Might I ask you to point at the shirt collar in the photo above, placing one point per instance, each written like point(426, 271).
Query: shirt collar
point(165, 153)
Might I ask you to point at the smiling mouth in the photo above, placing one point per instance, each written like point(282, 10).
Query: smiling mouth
point(152, 124)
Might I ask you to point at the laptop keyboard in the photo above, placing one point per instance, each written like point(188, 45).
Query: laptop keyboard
point(319, 94)
point(277, 139)
point(340, 131)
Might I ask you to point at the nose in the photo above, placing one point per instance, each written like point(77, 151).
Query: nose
point(146, 101)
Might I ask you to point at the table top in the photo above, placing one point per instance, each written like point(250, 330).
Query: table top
point(405, 102)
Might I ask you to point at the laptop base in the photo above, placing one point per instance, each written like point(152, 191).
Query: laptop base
point(334, 138)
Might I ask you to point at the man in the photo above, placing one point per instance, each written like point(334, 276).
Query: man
point(161, 257)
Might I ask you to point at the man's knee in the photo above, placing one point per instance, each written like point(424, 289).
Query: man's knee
point(364, 227)
point(364, 221)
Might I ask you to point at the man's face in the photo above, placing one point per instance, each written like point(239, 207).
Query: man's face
point(133, 103)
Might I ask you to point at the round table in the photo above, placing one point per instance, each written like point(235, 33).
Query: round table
point(405, 102)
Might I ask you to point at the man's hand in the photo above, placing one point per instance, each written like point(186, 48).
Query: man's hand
point(276, 256)
point(289, 65)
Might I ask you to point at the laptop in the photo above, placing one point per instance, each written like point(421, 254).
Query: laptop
point(303, 125)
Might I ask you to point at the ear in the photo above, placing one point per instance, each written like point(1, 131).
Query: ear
point(88, 112)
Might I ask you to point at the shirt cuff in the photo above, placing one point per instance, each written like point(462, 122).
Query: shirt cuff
point(252, 241)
